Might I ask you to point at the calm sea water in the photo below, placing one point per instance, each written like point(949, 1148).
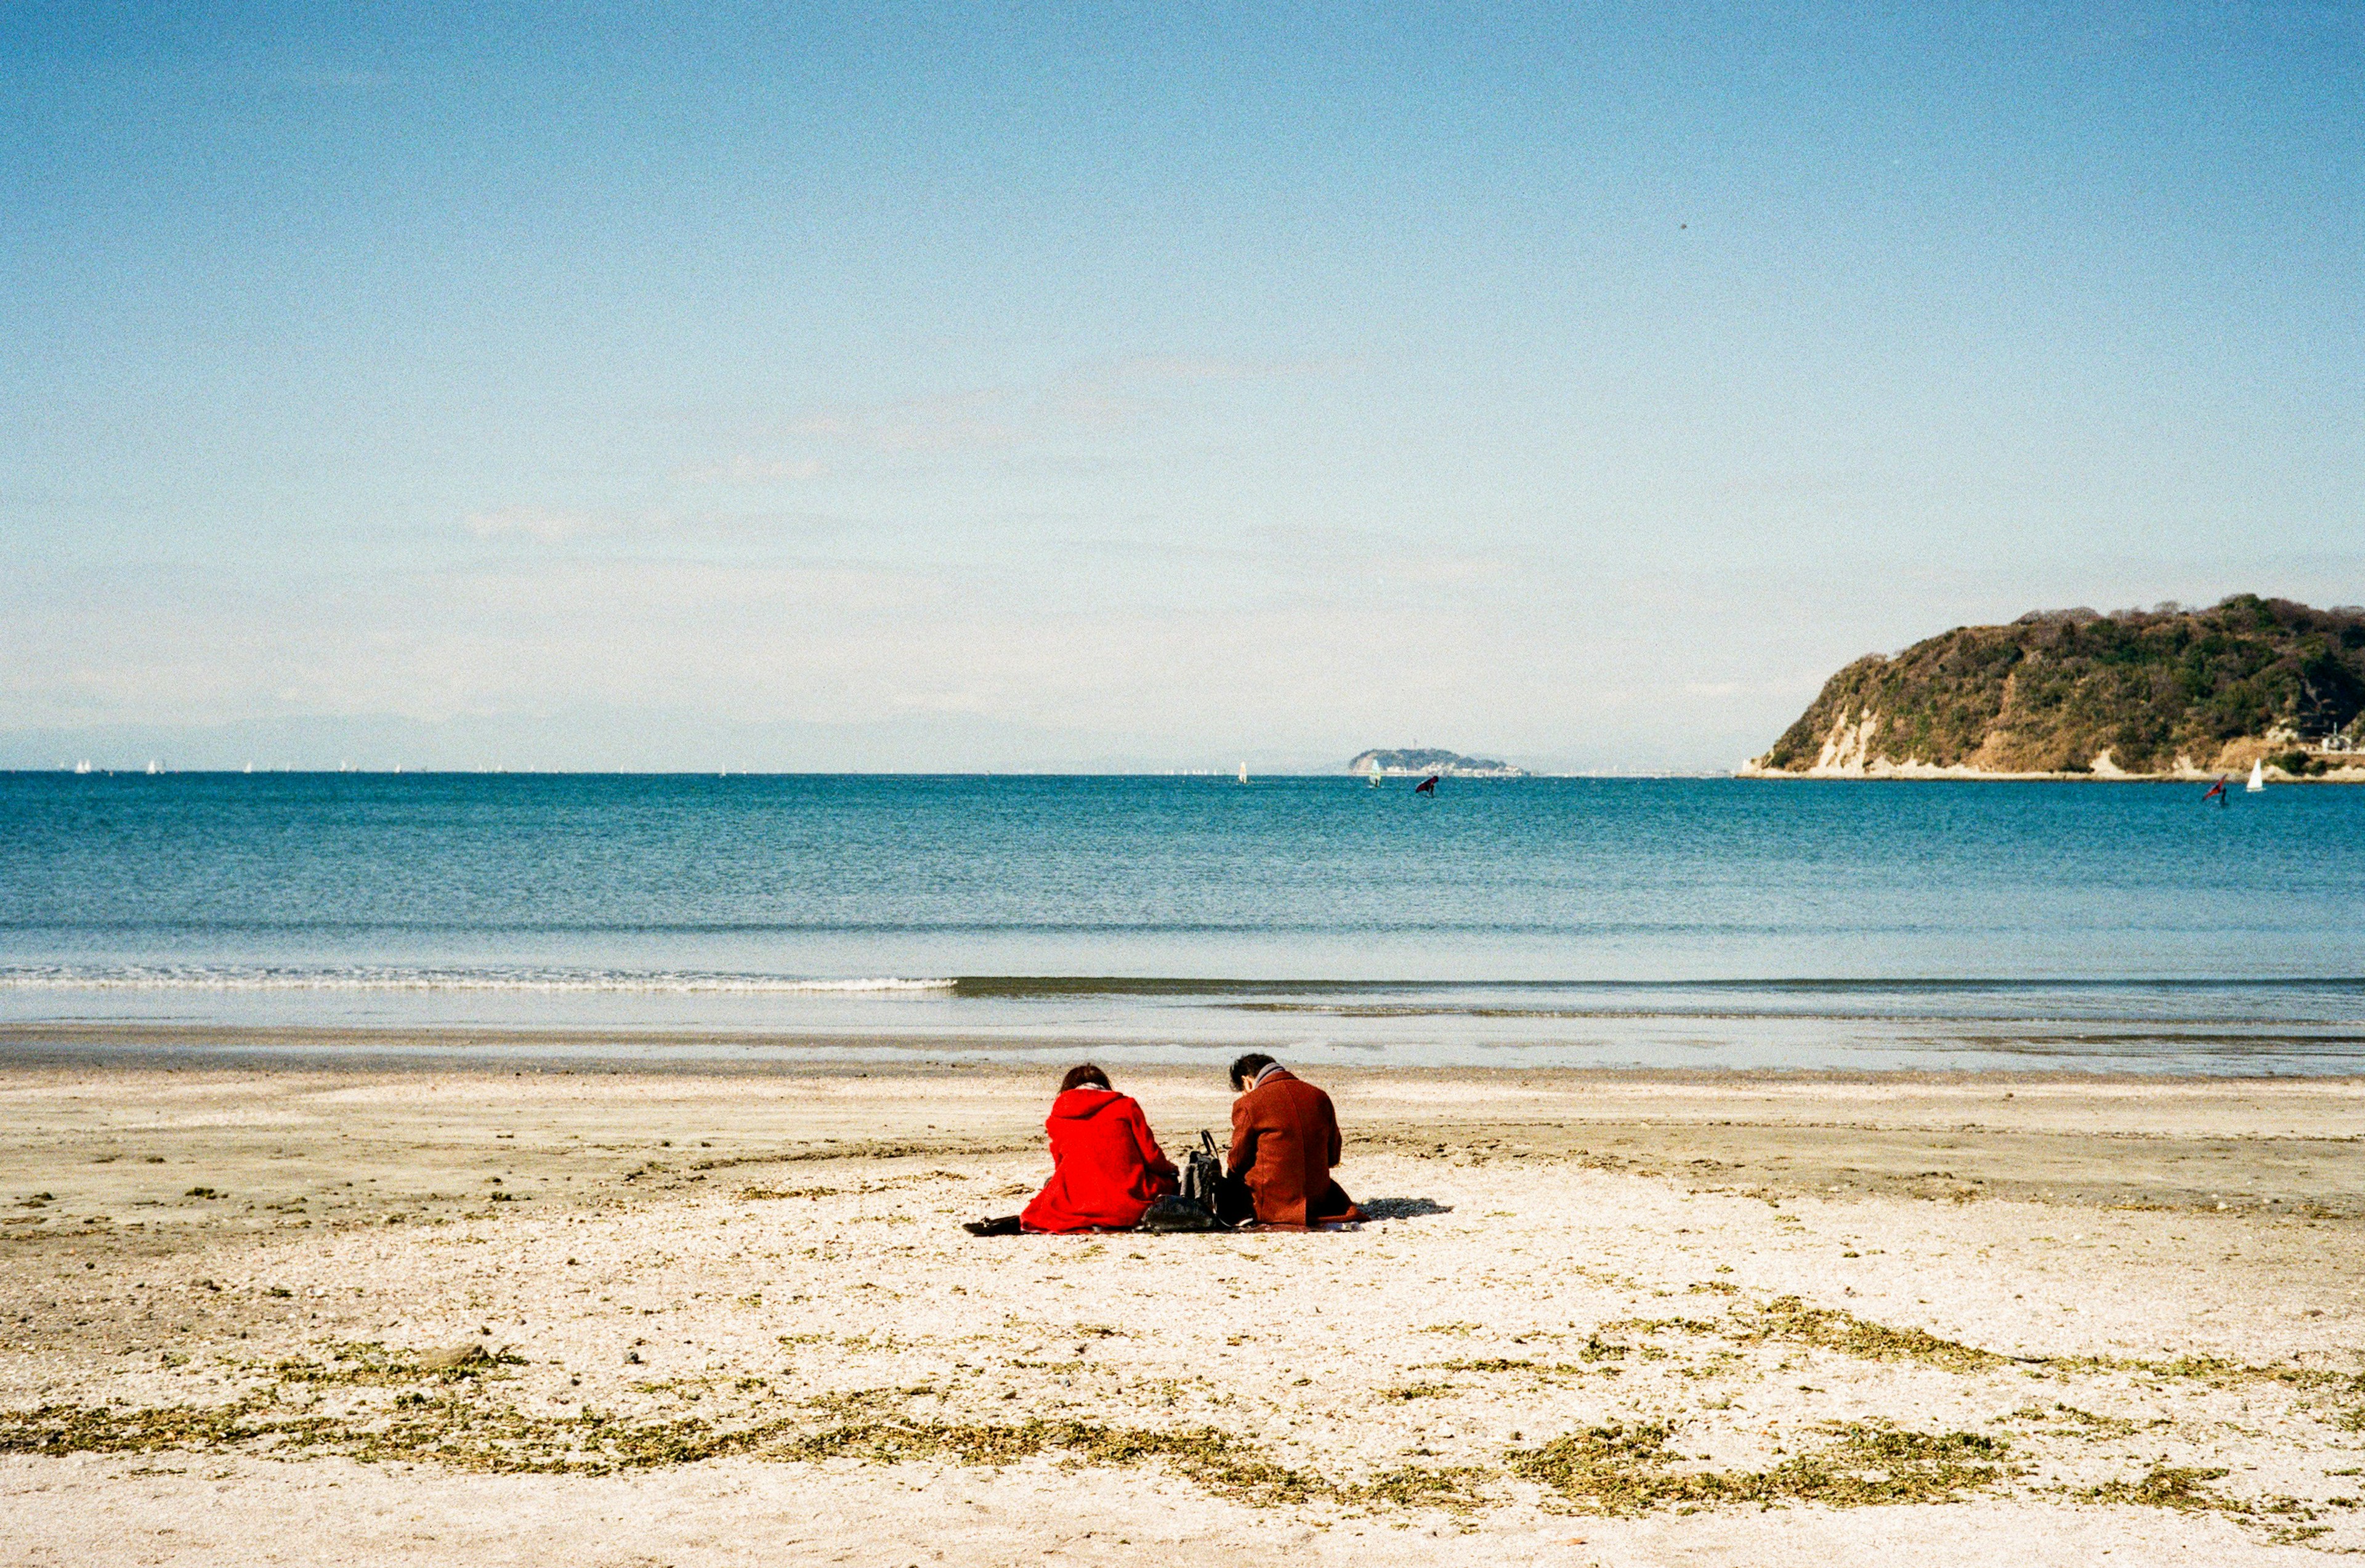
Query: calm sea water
point(1705, 923)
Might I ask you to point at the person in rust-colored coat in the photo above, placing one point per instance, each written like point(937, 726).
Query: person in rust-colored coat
point(1106, 1167)
point(1285, 1141)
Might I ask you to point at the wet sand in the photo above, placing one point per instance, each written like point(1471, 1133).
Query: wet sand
point(541, 1317)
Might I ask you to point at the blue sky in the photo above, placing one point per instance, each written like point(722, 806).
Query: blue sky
point(1053, 387)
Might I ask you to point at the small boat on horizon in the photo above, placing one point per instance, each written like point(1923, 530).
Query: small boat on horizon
point(1244, 772)
point(2258, 783)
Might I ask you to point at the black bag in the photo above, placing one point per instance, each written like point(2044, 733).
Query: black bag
point(1209, 1200)
point(1172, 1213)
point(1202, 1174)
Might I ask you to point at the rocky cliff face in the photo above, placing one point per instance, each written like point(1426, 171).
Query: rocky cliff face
point(2169, 693)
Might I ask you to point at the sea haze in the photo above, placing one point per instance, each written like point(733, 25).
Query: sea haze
point(1705, 923)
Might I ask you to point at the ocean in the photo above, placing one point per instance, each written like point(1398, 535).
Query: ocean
point(1708, 923)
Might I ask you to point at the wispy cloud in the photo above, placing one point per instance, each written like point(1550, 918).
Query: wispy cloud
point(984, 417)
point(1092, 398)
point(1436, 570)
point(1219, 367)
point(751, 469)
point(544, 525)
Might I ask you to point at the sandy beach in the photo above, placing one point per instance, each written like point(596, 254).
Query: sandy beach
point(484, 1316)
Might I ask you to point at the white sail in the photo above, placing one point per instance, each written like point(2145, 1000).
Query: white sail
point(2257, 777)
point(1244, 772)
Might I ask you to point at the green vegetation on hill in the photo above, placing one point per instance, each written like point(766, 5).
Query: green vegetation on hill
point(1429, 759)
point(2056, 690)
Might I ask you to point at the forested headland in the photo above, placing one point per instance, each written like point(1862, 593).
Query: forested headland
point(2164, 692)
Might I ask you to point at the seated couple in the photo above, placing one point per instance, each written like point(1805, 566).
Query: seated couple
point(1107, 1168)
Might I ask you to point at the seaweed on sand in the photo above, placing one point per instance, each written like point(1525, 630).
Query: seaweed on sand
point(449, 1429)
point(1623, 1469)
point(1790, 1319)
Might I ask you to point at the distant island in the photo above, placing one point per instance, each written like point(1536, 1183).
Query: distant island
point(2163, 693)
point(1425, 760)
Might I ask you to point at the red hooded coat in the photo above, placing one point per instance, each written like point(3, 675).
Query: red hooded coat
point(1105, 1165)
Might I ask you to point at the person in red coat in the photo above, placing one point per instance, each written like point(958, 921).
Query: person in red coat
point(1285, 1141)
point(1106, 1167)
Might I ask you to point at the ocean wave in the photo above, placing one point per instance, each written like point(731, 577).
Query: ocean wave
point(140, 978)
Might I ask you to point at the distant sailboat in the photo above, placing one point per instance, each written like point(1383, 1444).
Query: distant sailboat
point(154, 767)
point(1244, 772)
point(2257, 778)
point(82, 767)
point(1375, 776)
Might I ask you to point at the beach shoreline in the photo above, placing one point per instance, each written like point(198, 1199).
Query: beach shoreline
point(498, 1048)
point(729, 1317)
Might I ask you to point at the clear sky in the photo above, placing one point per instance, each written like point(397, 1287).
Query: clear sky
point(1029, 385)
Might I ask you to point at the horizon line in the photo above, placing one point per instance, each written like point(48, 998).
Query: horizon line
point(165, 770)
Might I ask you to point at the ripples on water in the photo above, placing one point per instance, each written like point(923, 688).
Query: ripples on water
point(1543, 921)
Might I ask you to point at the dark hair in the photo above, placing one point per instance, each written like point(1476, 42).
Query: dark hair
point(1248, 1066)
point(1080, 1075)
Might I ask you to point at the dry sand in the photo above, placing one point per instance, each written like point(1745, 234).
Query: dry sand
point(1619, 1319)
